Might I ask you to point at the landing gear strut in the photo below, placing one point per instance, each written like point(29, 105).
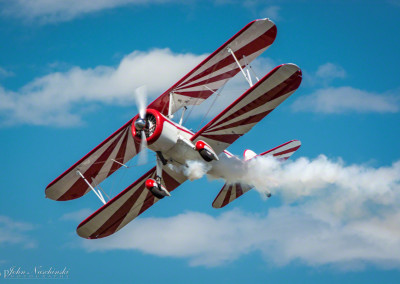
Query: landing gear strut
point(154, 185)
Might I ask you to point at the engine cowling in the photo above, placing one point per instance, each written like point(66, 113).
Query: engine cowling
point(160, 132)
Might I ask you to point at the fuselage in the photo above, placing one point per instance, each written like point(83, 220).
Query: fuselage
point(175, 144)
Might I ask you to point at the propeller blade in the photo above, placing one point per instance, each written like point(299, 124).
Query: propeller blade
point(141, 100)
point(143, 150)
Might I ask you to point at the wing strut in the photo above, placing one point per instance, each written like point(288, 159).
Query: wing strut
point(248, 67)
point(97, 192)
point(121, 164)
point(171, 101)
point(183, 113)
point(247, 77)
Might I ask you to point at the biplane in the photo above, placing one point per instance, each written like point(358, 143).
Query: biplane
point(174, 144)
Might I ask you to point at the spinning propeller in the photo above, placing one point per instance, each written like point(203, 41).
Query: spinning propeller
point(141, 122)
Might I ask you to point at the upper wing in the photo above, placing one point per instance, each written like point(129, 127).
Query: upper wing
point(218, 68)
point(126, 206)
point(251, 107)
point(96, 166)
point(194, 88)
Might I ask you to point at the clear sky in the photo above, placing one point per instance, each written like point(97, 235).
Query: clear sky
point(68, 72)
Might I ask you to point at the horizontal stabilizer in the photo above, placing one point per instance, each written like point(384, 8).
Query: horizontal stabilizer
point(230, 192)
point(284, 151)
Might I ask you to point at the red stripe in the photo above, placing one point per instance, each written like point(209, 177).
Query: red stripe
point(149, 201)
point(170, 185)
point(120, 155)
point(227, 197)
point(287, 151)
point(161, 103)
point(290, 84)
point(239, 190)
point(80, 187)
point(226, 138)
point(74, 166)
point(223, 76)
point(196, 94)
point(277, 147)
point(232, 105)
point(257, 44)
point(230, 138)
point(243, 122)
point(122, 193)
point(170, 182)
point(112, 224)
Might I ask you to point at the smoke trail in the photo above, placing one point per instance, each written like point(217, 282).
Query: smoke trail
point(346, 187)
point(195, 169)
point(346, 215)
point(353, 190)
point(304, 177)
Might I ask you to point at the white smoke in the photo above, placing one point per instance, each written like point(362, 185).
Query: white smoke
point(195, 169)
point(349, 188)
point(345, 215)
point(304, 177)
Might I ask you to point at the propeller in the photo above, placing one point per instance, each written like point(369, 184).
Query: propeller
point(140, 123)
point(141, 100)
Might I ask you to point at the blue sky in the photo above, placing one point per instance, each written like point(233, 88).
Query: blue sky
point(67, 78)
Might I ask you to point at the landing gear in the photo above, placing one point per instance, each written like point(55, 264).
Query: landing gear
point(157, 188)
point(205, 151)
point(161, 158)
point(154, 185)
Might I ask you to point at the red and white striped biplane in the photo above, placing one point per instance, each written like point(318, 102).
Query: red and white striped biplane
point(174, 144)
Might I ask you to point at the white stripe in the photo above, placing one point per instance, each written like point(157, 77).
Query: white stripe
point(270, 105)
point(130, 150)
point(273, 81)
point(134, 212)
point(221, 196)
point(239, 129)
point(233, 194)
point(253, 32)
point(286, 147)
point(105, 169)
point(66, 182)
point(287, 155)
point(223, 70)
point(102, 217)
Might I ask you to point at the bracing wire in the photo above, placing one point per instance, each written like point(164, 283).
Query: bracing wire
point(217, 95)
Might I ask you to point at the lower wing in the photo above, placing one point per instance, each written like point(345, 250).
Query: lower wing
point(126, 206)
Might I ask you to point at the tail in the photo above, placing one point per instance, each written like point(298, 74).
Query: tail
point(230, 192)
